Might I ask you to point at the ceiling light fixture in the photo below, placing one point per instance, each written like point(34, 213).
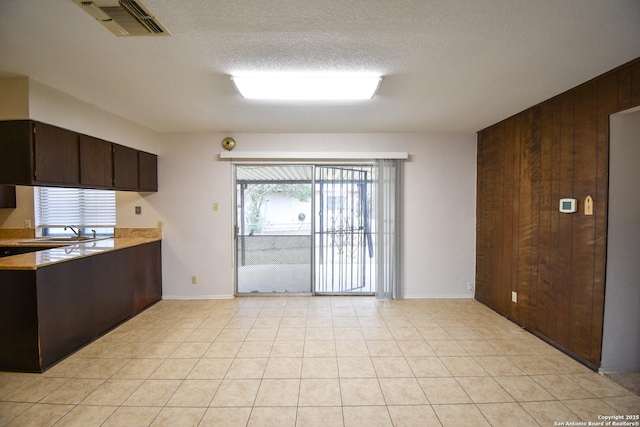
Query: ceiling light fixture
point(296, 87)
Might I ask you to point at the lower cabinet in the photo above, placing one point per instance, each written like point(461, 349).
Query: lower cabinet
point(145, 274)
point(51, 312)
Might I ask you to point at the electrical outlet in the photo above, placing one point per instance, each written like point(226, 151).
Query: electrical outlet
point(138, 210)
point(215, 207)
point(27, 223)
point(514, 296)
point(470, 286)
point(159, 224)
point(194, 280)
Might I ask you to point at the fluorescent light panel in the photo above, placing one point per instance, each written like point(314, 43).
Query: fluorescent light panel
point(307, 87)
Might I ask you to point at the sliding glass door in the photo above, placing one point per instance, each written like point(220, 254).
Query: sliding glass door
point(307, 229)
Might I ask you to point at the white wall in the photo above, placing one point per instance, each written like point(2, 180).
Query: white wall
point(438, 219)
point(621, 333)
point(52, 106)
point(439, 199)
point(15, 218)
point(14, 98)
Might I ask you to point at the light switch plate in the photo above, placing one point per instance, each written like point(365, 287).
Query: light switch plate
point(514, 296)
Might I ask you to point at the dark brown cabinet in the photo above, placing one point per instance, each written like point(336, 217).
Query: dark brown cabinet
point(38, 154)
point(147, 171)
point(125, 168)
point(7, 196)
point(48, 313)
point(56, 155)
point(145, 265)
point(16, 146)
point(34, 153)
point(96, 163)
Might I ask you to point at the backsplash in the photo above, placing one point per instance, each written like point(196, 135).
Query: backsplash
point(17, 233)
point(148, 233)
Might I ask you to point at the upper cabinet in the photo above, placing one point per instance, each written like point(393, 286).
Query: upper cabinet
point(125, 168)
point(16, 148)
point(96, 162)
point(56, 155)
point(147, 171)
point(34, 153)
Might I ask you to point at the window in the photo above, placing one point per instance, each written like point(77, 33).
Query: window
point(87, 209)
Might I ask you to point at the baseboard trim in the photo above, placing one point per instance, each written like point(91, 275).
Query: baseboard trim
point(439, 296)
point(196, 297)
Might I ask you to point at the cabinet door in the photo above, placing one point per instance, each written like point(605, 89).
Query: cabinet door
point(96, 163)
point(16, 157)
point(148, 170)
point(125, 168)
point(146, 275)
point(7, 196)
point(111, 292)
point(57, 156)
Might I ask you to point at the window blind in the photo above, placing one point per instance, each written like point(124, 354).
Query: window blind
point(80, 207)
point(389, 230)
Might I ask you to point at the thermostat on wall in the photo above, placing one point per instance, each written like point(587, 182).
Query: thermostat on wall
point(568, 205)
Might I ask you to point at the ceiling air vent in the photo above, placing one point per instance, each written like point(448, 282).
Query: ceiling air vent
point(124, 17)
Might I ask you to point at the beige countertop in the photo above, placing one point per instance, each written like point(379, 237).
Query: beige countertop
point(63, 252)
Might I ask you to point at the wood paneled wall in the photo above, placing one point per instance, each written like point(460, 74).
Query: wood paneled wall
point(555, 262)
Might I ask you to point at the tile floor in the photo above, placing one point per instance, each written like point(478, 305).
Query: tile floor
point(322, 361)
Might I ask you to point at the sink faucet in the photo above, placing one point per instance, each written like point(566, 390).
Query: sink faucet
point(77, 233)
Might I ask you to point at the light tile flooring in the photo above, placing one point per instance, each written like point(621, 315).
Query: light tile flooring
point(322, 361)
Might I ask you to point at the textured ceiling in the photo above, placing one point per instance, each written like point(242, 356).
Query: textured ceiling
point(448, 66)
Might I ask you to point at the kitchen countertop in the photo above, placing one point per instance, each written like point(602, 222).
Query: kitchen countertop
point(63, 252)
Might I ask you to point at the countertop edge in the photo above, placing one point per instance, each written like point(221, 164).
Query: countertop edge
point(64, 253)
